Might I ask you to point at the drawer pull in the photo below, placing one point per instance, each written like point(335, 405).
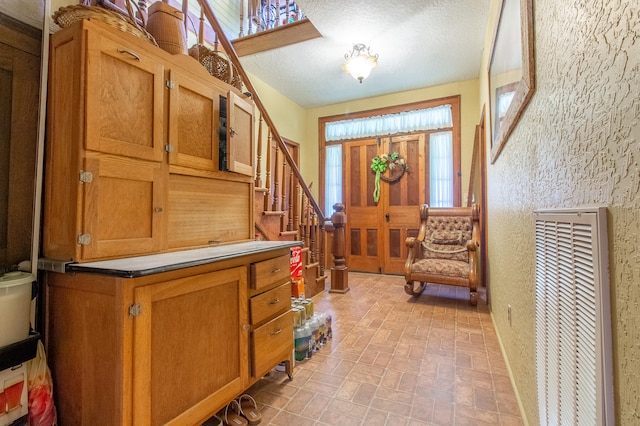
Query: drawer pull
point(275, 271)
point(278, 331)
point(274, 301)
point(128, 52)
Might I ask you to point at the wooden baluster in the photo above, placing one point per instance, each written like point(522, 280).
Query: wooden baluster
point(241, 18)
point(291, 198)
point(339, 275)
point(267, 197)
point(258, 179)
point(276, 180)
point(307, 223)
point(312, 235)
point(277, 23)
point(250, 16)
point(259, 17)
point(322, 246)
point(296, 205)
point(283, 187)
point(287, 9)
point(185, 12)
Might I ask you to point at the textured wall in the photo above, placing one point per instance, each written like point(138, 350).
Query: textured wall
point(577, 144)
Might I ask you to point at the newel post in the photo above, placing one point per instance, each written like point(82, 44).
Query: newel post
point(339, 272)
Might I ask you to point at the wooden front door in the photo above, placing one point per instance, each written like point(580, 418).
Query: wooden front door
point(376, 232)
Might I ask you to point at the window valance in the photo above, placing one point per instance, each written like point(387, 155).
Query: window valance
point(409, 121)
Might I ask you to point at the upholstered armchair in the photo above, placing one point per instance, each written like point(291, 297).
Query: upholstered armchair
point(445, 250)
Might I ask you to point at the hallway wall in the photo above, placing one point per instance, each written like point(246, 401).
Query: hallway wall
point(577, 144)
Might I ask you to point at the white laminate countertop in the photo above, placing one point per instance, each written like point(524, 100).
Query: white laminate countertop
point(138, 266)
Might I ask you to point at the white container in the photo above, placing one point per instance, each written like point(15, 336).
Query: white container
point(15, 306)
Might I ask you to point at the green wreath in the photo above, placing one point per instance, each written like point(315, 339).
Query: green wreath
point(380, 164)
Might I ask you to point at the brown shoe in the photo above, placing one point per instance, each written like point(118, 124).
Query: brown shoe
point(249, 409)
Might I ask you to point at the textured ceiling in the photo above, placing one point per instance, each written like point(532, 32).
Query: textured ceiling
point(421, 43)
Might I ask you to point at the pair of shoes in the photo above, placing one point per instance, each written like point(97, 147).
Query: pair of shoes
point(233, 417)
point(249, 409)
point(242, 411)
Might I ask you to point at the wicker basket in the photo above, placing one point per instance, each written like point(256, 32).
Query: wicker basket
point(217, 64)
point(68, 15)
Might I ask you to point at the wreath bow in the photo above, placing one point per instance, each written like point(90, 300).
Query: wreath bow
point(380, 164)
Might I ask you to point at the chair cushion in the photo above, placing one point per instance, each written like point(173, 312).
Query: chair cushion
point(450, 268)
point(446, 237)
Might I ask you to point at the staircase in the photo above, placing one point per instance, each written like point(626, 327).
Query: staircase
point(285, 208)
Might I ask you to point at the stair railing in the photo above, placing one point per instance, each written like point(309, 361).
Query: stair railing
point(289, 195)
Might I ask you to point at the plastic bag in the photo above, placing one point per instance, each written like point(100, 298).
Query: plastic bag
point(42, 411)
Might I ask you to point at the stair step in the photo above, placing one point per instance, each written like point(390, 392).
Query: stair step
point(273, 213)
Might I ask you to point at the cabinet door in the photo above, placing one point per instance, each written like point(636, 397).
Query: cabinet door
point(239, 135)
point(124, 100)
point(194, 110)
point(123, 208)
point(190, 347)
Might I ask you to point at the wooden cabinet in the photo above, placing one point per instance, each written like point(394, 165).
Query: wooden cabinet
point(271, 316)
point(132, 150)
point(172, 347)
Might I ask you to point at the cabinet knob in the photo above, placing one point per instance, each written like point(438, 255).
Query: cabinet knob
point(246, 326)
point(158, 209)
point(275, 301)
point(278, 331)
point(275, 271)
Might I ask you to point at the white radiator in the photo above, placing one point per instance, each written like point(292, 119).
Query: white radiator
point(573, 322)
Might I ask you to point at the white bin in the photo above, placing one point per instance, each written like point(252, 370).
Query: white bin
point(15, 306)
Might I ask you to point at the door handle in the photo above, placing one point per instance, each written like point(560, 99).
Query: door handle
point(387, 217)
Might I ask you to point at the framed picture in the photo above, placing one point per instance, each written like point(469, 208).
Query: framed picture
point(511, 70)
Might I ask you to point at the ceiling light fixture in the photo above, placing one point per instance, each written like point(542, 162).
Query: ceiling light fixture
point(359, 62)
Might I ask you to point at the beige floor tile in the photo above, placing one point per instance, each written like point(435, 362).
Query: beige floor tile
point(396, 360)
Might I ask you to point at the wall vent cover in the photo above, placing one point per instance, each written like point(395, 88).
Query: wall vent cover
point(573, 323)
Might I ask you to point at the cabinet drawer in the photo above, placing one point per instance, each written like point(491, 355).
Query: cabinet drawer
point(270, 303)
point(272, 343)
point(269, 272)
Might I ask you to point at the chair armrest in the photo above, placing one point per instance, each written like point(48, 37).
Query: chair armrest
point(413, 245)
point(472, 245)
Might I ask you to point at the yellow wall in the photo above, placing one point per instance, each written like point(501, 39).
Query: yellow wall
point(577, 144)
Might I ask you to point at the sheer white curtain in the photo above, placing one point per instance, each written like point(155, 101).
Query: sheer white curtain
point(384, 125)
point(441, 169)
point(332, 178)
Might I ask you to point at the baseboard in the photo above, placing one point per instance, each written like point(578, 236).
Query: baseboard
point(523, 413)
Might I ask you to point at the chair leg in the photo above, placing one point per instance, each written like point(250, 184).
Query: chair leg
point(473, 298)
point(410, 289)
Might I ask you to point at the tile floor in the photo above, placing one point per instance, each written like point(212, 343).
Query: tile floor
point(396, 360)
